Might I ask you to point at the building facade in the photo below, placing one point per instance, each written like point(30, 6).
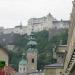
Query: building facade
point(63, 24)
point(69, 66)
point(54, 69)
point(38, 24)
point(4, 56)
point(23, 65)
point(58, 67)
point(44, 23)
point(29, 65)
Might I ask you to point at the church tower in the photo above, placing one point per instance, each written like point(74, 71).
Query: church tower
point(32, 54)
point(23, 65)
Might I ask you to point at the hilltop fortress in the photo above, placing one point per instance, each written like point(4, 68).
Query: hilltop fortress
point(38, 24)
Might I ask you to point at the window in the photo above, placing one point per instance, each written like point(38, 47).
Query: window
point(20, 69)
point(2, 64)
point(24, 69)
point(32, 60)
point(62, 57)
point(59, 55)
point(60, 72)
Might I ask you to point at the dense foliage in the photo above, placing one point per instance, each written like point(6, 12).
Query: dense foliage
point(44, 47)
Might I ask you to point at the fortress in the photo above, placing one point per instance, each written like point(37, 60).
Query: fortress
point(38, 24)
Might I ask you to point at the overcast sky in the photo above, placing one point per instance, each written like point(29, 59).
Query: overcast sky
point(14, 11)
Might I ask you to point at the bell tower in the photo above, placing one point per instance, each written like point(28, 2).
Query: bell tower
point(23, 65)
point(32, 53)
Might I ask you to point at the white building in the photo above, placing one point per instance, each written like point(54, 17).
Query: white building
point(23, 65)
point(37, 24)
point(61, 24)
point(17, 30)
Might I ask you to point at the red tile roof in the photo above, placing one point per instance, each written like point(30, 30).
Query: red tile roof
point(7, 70)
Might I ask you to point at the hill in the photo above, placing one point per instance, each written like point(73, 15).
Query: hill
point(45, 46)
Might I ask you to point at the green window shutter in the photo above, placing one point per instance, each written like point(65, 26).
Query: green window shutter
point(2, 64)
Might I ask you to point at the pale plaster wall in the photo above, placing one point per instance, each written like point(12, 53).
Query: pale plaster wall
point(53, 71)
point(32, 67)
point(4, 56)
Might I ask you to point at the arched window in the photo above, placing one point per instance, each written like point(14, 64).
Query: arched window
point(24, 68)
point(33, 60)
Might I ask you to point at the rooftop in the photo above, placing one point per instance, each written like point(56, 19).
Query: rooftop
point(56, 65)
point(23, 62)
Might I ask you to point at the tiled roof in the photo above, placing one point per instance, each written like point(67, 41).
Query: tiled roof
point(9, 68)
point(23, 62)
point(56, 65)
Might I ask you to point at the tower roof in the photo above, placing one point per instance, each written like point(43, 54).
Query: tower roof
point(32, 50)
point(23, 62)
point(31, 42)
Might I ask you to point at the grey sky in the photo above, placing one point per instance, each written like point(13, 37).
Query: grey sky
point(14, 11)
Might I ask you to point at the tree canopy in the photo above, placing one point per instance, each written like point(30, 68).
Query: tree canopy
point(45, 46)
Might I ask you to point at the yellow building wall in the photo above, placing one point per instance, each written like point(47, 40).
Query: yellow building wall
point(53, 71)
point(59, 71)
point(50, 72)
point(4, 56)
